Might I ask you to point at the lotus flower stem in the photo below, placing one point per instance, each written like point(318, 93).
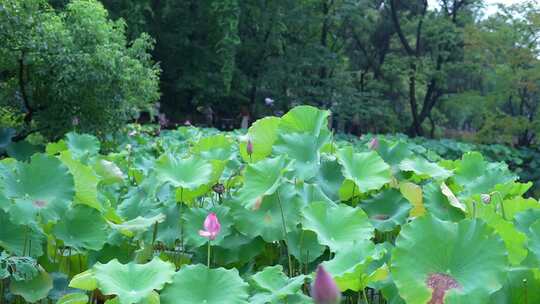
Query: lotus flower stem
point(208, 257)
point(154, 235)
point(285, 234)
point(365, 296)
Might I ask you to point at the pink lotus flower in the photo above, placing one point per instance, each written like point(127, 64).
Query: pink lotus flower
point(211, 227)
point(374, 144)
point(249, 147)
point(324, 290)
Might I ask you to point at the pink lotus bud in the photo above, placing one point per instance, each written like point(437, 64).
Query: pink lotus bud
point(374, 144)
point(268, 101)
point(486, 198)
point(249, 147)
point(211, 227)
point(187, 123)
point(75, 121)
point(324, 290)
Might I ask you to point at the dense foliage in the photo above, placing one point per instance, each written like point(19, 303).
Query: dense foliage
point(201, 216)
point(70, 67)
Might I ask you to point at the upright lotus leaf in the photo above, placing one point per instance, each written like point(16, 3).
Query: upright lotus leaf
point(74, 298)
point(20, 240)
point(367, 170)
point(238, 249)
point(82, 228)
point(109, 172)
point(476, 176)
point(267, 221)
point(524, 220)
point(33, 290)
point(304, 245)
point(329, 178)
point(85, 280)
point(534, 241)
point(262, 134)
point(138, 202)
point(337, 226)
point(138, 225)
point(82, 146)
point(25, 211)
point(311, 192)
point(54, 148)
point(305, 119)
point(86, 182)
point(519, 204)
point(194, 221)
point(304, 149)
point(216, 147)
point(520, 287)
point(387, 209)
point(44, 180)
point(443, 262)
point(413, 193)
point(171, 229)
point(22, 150)
point(187, 174)
point(196, 284)
point(424, 169)
point(437, 204)
point(394, 152)
point(349, 267)
point(514, 239)
point(261, 179)
point(132, 282)
point(273, 286)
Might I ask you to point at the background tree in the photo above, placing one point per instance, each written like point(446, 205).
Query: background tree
point(71, 67)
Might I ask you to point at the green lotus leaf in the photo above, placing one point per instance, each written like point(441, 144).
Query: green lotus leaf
point(520, 286)
point(73, 298)
point(22, 150)
point(337, 226)
point(424, 169)
point(387, 209)
point(238, 248)
point(25, 211)
point(263, 134)
point(54, 148)
point(445, 262)
point(367, 170)
point(304, 149)
point(194, 221)
point(33, 290)
point(274, 285)
point(82, 228)
point(329, 178)
point(20, 240)
point(86, 182)
point(518, 205)
point(476, 176)
point(196, 284)
point(514, 239)
point(43, 180)
point(309, 192)
point(306, 119)
point(84, 280)
point(82, 146)
point(394, 153)
point(266, 221)
point(138, 224)
point(217, 147)
point(186, 174)
point(132, 282)
point(304, 245)
point(108, 172)
point(437, 204)
point(524, 220)
point(349, 267)
point(261, 179)
point(138, 202)
point(170, 229)
point(534, 240)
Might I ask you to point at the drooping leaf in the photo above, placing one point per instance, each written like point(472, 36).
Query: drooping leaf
point(274, 286)
point(33, 290)
point(82, 228)
point(387, 209)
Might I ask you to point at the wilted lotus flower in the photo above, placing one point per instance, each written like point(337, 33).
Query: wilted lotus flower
point(486, 198)
point(249, 147)
point(374, 143)
point(211, 227)
point(324, 290)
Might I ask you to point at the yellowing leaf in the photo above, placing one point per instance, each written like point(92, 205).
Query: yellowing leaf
point(413, 193)
point(454, 201)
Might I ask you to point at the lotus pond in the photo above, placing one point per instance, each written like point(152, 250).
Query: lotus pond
point(201, 216)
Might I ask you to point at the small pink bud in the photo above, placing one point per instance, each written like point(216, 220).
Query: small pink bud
point(249, 147)
point(486, 198)
point(324, 290)
point(75, 121)
point(374, 143)
point(212, 227)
